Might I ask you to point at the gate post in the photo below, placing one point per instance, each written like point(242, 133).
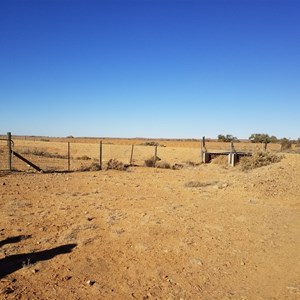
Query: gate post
point(9, 156)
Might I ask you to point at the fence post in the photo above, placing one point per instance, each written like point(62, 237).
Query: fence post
point(231, 147)
point(155, 155)
point(9, 156)
point(100, 157)
point(201, 151)
point(204, 157)
point(69, 164)
point(131, 155)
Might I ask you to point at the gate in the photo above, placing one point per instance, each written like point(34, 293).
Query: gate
point(7, 155)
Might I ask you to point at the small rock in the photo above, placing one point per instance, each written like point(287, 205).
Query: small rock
point(67, 278)
point(34, 271)
point(90, 282)
point(196, 261)
point(3, 183)
point(252, 201)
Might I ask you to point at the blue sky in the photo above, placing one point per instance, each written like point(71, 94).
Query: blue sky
point(150, 68)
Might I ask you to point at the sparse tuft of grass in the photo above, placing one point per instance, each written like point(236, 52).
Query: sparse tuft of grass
point(83, 157)
point(27, 264)
point(190, 163)
point(198, 184)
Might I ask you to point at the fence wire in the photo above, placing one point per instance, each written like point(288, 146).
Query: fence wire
point(80, 156)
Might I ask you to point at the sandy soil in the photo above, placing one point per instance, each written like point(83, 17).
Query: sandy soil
point(147, 234)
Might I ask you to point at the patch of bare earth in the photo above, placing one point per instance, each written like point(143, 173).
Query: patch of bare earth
point(206, 232)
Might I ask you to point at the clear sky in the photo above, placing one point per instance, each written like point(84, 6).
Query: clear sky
point(150, 68)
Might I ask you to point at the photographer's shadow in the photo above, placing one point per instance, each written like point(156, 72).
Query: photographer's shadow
point(12, 263)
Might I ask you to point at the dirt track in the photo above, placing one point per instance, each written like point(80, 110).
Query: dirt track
point(144, 234)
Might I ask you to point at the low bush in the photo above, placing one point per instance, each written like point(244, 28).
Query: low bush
point(150, 144)
point(285, 144)
point(259, 159)
point(114, 164)
point(177, 166)
point(84, 157)
point(151, 161)
point(43, 153)
point(163, 165)
point(92, 167)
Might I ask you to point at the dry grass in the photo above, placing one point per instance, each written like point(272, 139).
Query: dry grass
point(190, 163)
point(163, 165)
point(92, 167)
point(220, 160)
point(114, 164)
point(259, 159)
point(198, 184)
point(151, 162)
point(83, 157)
point(43, 153)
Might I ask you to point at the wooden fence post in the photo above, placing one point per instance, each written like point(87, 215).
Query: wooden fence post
point(231, 147)
point(131, 155)
point(9, 156)
point(201, 151)
point(69, 152)
point(155, 155)
point(100, 156)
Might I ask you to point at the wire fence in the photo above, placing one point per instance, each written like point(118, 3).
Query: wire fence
point(81, 156)
point(66, 156)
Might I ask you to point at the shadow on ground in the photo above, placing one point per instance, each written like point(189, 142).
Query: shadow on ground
point(12, 263)
point(14, 239)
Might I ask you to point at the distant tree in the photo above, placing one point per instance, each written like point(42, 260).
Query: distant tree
point(227, 138)
point(221, 138)
point(285, 143)
point(273, 139)
point(262, 138)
